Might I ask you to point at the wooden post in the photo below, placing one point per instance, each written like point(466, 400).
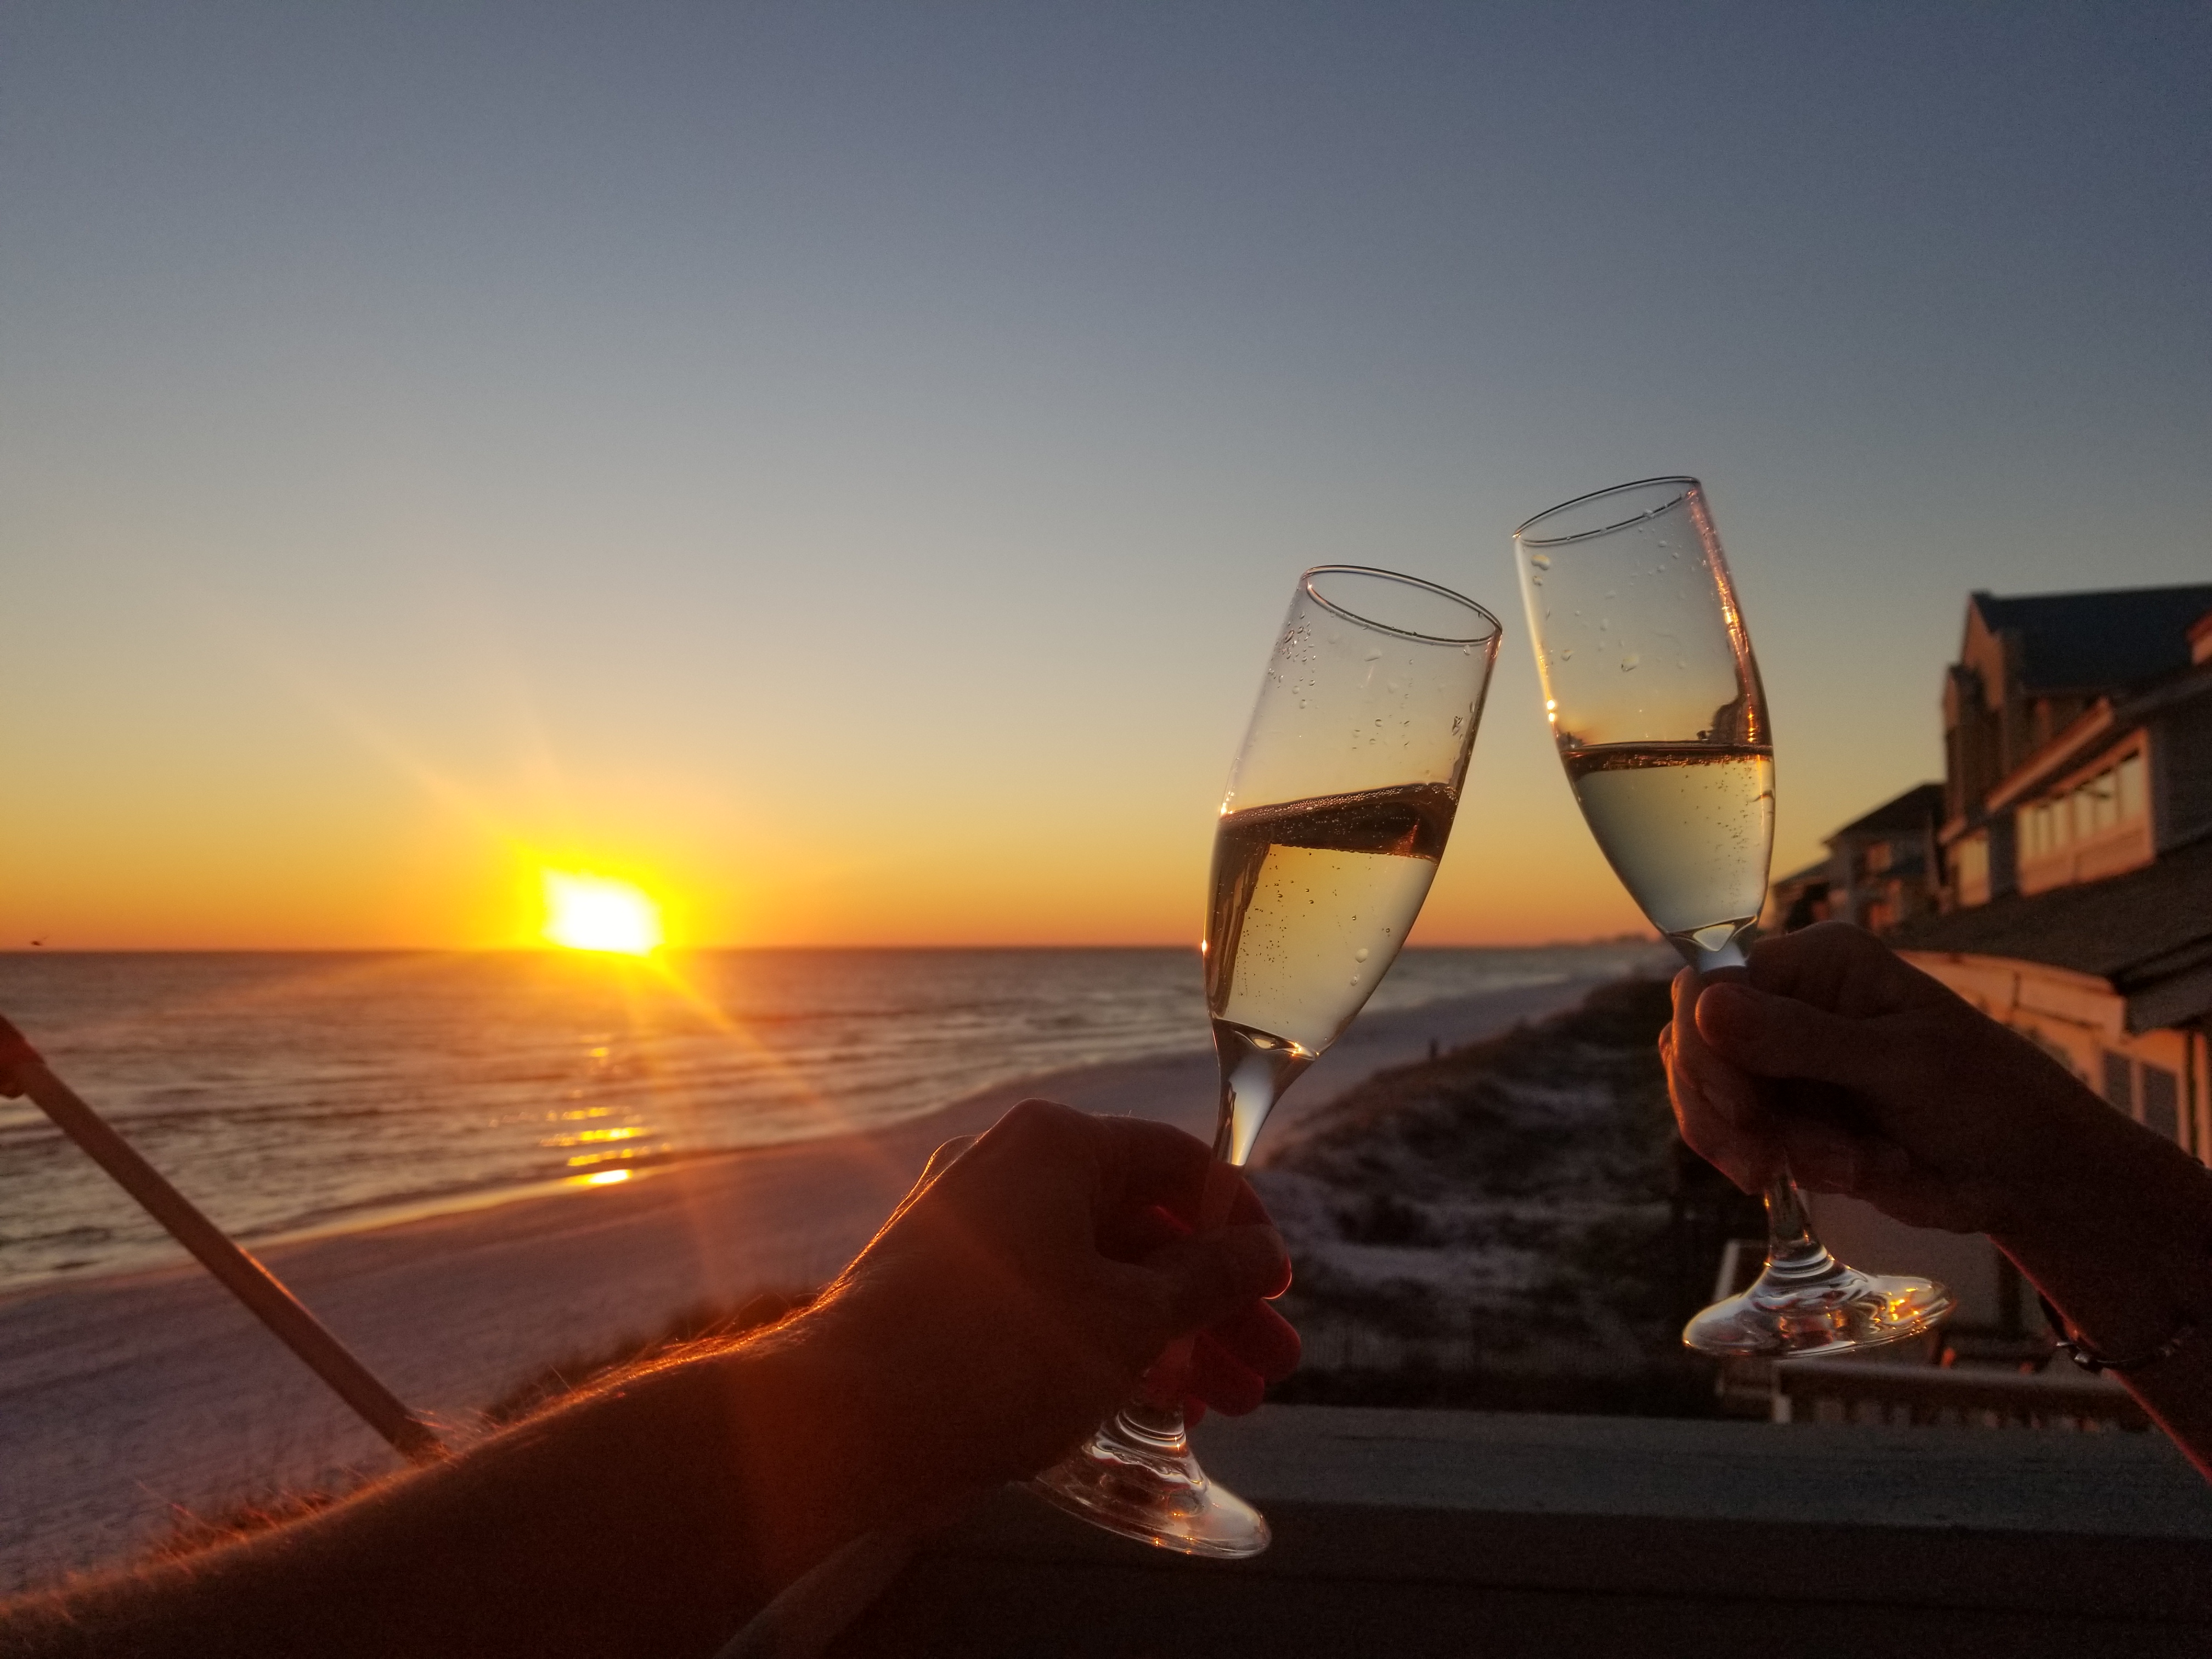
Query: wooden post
point(23, 1072)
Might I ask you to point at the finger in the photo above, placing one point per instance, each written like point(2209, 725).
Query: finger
point(1744, 1155)
point(1162, 1164)
point(1260, 1337)
point(1780, 1036)
point(1835, 965)
point(1221, 1380)
point(1211, 1276)
point(1136, 1162)
point(1136, 1234)
point(1824, 1158)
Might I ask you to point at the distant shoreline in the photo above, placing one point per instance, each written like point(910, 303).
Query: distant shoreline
point(1178, 945)
point(431, 1188)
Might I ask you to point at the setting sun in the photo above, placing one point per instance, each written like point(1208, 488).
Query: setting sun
point(593, 913)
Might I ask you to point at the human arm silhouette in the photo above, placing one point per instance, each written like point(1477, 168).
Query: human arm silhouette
point(1904, 1094)
point(1009, 1303)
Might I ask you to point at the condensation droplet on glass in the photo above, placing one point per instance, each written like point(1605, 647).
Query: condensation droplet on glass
point(1459, 724)
point(1355, 979)
point(1360, 955)
point(1543, 561)
point(1371, 656)
point(1628, 663)
point(1566, 654)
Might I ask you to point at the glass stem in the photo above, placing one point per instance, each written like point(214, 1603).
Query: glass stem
point(1793, 1254)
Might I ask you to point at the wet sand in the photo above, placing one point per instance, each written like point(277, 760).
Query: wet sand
point(125, 1400)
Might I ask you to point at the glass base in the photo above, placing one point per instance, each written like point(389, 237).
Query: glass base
point(1136, 1476)
point(1831, 1310)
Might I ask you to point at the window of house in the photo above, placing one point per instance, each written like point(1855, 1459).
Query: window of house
point(2046, 827)
point(2134, 796)
point(2161, 1101)
point(2120, 1083)
point(2104, 802)
point(2118, 795)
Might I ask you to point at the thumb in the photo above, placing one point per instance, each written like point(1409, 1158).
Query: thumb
point(1780, 1036)
point(1210, 1276)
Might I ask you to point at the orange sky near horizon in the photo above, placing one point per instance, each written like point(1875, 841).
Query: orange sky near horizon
point(332, 847)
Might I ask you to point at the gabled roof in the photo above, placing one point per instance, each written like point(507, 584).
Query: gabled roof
point(1916, 809)
point(2097, 641)
point(2103, 723)
point(2144, 932)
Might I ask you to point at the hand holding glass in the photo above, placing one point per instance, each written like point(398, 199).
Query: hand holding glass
point(1338, 808)
point(1655, 704)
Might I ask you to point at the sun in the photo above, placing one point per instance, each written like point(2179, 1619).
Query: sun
point(595, 913)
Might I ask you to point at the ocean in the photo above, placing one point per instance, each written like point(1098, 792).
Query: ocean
point(292, 1093)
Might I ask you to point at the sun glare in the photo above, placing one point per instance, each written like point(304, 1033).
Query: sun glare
point(592, 913)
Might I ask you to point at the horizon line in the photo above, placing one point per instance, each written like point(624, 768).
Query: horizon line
point(691, 949)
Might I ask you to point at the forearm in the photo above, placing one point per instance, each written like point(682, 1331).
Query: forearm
point(652, 1517)
point(2124, 1253)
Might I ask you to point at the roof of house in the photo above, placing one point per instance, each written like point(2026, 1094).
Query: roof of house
point(2135, 930)
point(2103, 723)
point(1916, 809)
point(2095, 641)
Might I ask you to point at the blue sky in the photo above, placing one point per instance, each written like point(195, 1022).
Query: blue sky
point(845, 462)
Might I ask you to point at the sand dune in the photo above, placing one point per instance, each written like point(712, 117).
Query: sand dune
point(123, 1399)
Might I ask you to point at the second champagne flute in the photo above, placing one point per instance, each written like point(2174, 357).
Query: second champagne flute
point(1337, 811)
point(1655, 704)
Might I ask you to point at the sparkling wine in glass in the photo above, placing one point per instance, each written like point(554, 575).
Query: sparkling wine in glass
point(1337, 809)
point(1656, 706)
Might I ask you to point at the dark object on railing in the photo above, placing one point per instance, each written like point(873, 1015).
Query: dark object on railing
point(23, 1072)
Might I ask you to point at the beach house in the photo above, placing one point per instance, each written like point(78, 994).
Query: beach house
point(2059, 878)
point(2076, 842)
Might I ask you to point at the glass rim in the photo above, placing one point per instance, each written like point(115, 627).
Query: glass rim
point(1689, 486)
point(1306, 586)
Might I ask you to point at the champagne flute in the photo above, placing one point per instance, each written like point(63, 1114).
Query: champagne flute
point(1655, 704)
point(1338, 808)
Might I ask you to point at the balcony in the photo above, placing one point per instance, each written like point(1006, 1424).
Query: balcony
point(1413, 1534)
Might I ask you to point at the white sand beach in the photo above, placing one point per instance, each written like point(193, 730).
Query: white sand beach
point(125, 1400)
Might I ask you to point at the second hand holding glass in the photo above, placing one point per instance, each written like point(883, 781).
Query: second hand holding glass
point(1337, 811)
point(1655, 704)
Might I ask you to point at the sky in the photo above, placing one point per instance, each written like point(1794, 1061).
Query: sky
point(842, 466)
